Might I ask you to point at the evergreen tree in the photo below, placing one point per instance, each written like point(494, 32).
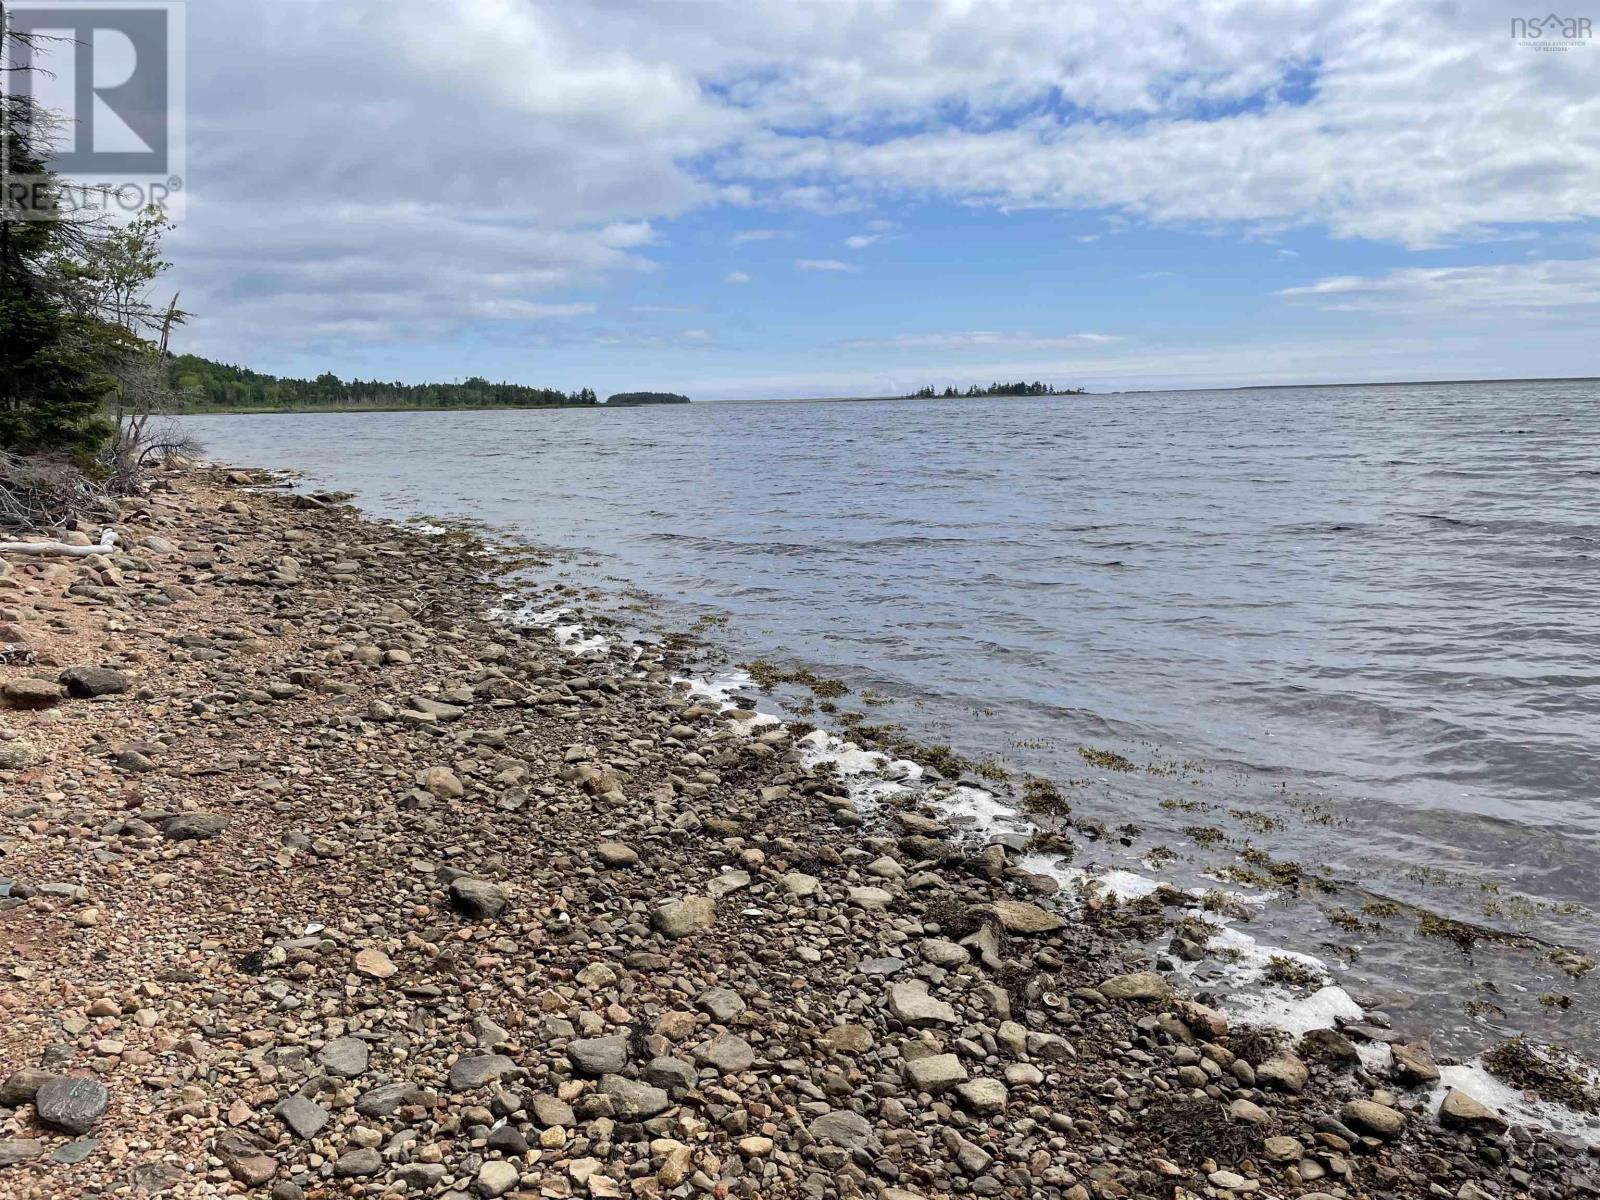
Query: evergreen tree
point(53, 380)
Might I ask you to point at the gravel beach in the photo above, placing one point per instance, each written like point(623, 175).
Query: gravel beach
point(317, 879)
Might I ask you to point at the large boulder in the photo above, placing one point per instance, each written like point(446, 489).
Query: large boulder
point(1143, 985)
point(30, 694)
point(477, 899)
point(193, 827)
point(681, 918)
point(1018, 916)
point(598, 1056)
point(474, 1071)
point(634, 1101)
point(1461, 1111)
point(71, 1103)
point(85, 683)
point(910, 1004)
point(1283, 1071)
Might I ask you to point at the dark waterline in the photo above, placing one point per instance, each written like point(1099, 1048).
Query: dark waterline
point(1367, 615)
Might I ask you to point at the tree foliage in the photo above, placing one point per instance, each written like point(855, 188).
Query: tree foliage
point(53, 376)
point(76, 364)
point(204, 384)
point(994, 389)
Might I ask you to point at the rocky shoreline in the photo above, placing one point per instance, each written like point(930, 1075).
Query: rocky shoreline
point(319, 880)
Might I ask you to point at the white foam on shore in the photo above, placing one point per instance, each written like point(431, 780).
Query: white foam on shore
point(1515, 1106)
point(718, 688)
point(569, 635)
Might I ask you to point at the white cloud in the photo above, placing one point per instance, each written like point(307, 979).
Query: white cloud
point(1488, 290)
point(1087, 237)
point(824, 264)
point(984, 340)
point(736, 277)
point(384, 170)
point(861, 241)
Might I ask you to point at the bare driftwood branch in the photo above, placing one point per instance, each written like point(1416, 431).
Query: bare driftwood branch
point(106, 545)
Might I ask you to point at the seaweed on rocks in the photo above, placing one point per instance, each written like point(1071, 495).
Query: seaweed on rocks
point(1192, 1130)
point(1549, 1072)
point(1253, 1043)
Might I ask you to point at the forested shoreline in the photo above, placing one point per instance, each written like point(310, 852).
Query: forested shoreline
point(207, 386)
point(1020, 388)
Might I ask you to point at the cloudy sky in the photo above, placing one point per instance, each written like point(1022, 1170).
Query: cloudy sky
point(813, 197)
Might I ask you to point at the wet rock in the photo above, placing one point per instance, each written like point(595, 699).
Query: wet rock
point(1460, 1111)
point(70, 1102)
point(1413, 1063)
point(1283, 1071)
point(1369, 1116)
point(1331, 1046)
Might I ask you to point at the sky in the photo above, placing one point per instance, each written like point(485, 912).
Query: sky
point(762, 198)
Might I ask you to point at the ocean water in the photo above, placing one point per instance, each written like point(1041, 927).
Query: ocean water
point(1347, 640)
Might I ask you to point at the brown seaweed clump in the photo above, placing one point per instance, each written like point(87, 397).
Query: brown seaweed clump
point(1190, 1131)
point(1549, 1072)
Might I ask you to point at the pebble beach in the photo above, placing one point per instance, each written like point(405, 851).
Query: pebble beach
point(321, 878)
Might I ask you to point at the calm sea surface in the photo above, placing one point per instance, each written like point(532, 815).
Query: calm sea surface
point(1355, 628)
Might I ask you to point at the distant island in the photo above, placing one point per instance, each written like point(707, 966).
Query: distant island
point(208, 386)
point(636, 399)
point(994, 389)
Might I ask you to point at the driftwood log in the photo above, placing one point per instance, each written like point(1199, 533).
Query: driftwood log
point(106, 544)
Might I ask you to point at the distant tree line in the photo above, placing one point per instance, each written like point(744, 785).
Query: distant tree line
point(206, 384)
point(994, 389)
